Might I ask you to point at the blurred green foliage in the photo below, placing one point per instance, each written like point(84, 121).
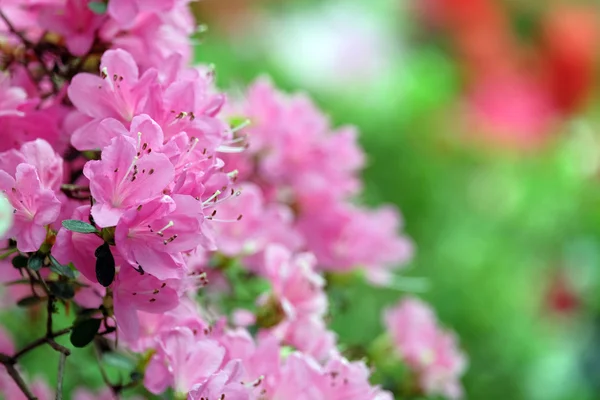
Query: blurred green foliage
point(491, 226)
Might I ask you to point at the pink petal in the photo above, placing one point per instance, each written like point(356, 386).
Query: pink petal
point(89, 96)
point(121, 63)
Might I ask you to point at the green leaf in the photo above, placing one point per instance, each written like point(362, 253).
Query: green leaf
point(35, 262)
point(60, 269)
point(84, 331)
point(29, 301)
point(75, 225)
point(63, 290)
point(97, 7)
point(19, 261)
point(105, 265)
point(118, 360)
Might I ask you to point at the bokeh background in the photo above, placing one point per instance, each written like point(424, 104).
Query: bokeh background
point(480, 121)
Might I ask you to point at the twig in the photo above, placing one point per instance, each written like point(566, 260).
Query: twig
point(9, 362)
point(39, 342)
point(12, 28)
point(61, 372)
point(14, 374)
point(105, 378)
point(33, 48)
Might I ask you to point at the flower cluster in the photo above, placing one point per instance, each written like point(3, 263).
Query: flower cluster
point(426, 348)
point(297, 160)
point(135, 190)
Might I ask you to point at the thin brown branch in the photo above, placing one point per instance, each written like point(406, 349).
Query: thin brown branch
point(12, 28)
point(14, 374)
point(39, 342)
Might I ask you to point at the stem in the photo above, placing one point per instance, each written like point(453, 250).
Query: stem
point(61, 372)
point(9, 252)
point(105, 378)
point(9, 362)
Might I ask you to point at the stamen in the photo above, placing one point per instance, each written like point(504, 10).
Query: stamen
point(131, 166)
point(214, 196)
point(233, 193)
point(169, 225)
point(193, 144)
point(224, 220)
point(241, 126)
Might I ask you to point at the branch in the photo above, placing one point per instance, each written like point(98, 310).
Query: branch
point(39, 342)
point(9, 362)
point(14, 374)
point(12, 28)
point(29, 45)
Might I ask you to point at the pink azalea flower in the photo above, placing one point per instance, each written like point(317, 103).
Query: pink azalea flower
point(126, 11)
point(122, 179)
point(308, 334)
point(118, 93)
point(261, 360)
point(344, 236)
point(134, 291)
point(154, 37)
point(294, 282)
point(425, 347)
point(182, 361)
point(154, 234)
point(190, 104)
point(186, 314)
point(11, 97)
point(296, 145)
point(261, 224)
point(225, 384)
point(74, 21)
point(300, 378)
point(35, 207)
point(42, 156)
point(350, 381)
point(37, 123)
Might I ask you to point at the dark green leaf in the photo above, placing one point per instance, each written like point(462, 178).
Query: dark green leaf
point(97, 7)
point(19, 261)
point(35, 262)
point(136, 376)
point(60, 269)
point(62, 290)
point(88, 312)
point(84, 331)
point(75, 225)
point(105, 265)
point(29, 301)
